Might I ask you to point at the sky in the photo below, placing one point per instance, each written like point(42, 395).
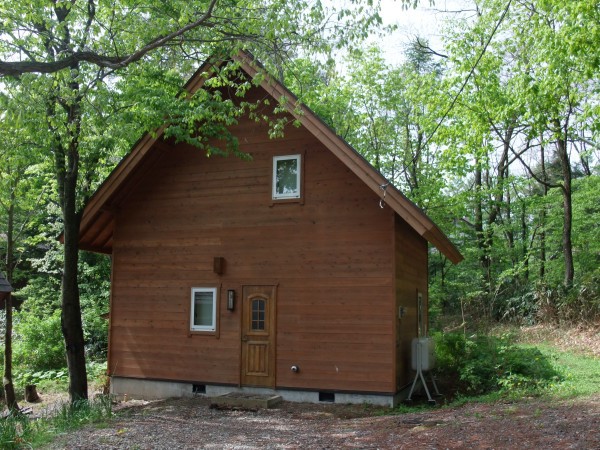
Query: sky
point(424, 21)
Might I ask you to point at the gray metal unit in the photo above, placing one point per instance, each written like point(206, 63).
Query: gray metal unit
point(422, 354)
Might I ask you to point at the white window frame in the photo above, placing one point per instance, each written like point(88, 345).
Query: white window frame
point(298, 192)
point(213, 326)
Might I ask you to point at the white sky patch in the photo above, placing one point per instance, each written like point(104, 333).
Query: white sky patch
point(426, 21)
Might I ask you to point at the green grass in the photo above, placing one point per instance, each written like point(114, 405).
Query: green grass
point(561, 374)
point(21, 432)
point(581, 373)
point(580, 377)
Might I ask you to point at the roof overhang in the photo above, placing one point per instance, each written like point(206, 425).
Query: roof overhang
point(97, 223)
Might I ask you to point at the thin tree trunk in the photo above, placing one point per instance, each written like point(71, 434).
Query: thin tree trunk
point(71, 308)
point(482, 239)
point(9, 389)
point(567, 176)
point(67, 172)
point(524, 246)
point(66, 159)
point(543, 216)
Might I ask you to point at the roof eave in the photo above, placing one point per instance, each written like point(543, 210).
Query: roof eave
point(407, 210)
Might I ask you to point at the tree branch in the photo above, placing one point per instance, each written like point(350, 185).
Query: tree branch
point(426, 49)
point(17, 68)
point(531, 172)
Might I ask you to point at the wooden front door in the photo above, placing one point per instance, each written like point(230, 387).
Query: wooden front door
point(258, 336)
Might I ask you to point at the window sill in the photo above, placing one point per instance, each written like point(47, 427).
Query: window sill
point(203, 333)
point(285, 201)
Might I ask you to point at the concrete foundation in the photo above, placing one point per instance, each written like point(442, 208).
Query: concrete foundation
point(131, 388)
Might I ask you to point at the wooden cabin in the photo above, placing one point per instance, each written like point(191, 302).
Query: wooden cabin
point(297, 271)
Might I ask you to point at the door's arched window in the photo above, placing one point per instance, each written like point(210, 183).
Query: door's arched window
point(258, 314)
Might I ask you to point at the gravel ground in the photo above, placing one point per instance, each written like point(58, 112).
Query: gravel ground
point(192, 424)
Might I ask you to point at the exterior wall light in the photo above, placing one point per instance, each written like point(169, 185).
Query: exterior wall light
point(230, 299)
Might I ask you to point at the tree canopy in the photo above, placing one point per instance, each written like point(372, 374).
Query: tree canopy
point(496, 137)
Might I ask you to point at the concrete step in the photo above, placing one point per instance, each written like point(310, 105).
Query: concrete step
point(245, 401)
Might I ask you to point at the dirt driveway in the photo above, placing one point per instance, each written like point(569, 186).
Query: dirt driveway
point(192, 424)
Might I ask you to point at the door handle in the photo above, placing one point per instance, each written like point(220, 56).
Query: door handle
point(244, 338)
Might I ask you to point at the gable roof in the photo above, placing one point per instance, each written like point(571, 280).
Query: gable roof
point(97, 221)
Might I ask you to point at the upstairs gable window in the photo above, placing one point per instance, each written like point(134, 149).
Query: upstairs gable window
point(286, 177)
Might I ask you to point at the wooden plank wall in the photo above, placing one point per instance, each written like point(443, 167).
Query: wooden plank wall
point(330, 257)
point(411, 276)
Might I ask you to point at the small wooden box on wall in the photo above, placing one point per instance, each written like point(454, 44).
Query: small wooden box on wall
point(219, 265)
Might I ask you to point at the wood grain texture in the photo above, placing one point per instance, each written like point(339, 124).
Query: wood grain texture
point(331, 257)
point(411, 278)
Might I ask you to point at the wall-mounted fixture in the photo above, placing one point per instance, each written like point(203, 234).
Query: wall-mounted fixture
point(230, 299)
point(219, 265)
point(401, 312)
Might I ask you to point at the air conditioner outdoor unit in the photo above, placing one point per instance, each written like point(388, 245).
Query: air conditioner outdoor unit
point(423, 354)
point(423, 360)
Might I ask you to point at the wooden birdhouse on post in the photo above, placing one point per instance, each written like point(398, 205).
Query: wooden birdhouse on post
point(6, 303)
point(5, 289)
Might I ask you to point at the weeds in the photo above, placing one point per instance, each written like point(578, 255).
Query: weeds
point(487, 364)
point(18, 432)
point(70, 416)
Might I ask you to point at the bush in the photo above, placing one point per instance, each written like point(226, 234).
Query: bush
point(38, 343)
point(484, 364)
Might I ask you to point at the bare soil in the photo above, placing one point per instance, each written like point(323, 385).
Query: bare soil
point(192, 424)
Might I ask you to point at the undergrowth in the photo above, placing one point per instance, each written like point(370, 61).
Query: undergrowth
point(484, 364)
point(19, 431)
point(498, 366)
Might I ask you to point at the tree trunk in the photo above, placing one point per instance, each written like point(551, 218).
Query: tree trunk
point(31, 394)
point(543, 217)
point(524, 246)
point(482, 238)
point(9, 389)
point(67, 172)
point(567, 177)
point(71, 308)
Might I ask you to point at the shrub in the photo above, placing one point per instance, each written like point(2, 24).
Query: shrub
point(38, 343)
point(484, 364)
point(29, 377)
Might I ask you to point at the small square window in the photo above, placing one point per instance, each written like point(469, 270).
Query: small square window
point(204, 309)
point(286, 177)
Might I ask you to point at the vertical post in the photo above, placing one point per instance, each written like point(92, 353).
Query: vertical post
point(420, 321)
point(9, 388)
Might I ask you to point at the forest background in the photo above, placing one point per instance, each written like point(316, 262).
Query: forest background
point(495, 136)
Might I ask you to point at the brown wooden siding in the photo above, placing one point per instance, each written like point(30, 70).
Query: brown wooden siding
point(411, 277)
point(330, 257)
